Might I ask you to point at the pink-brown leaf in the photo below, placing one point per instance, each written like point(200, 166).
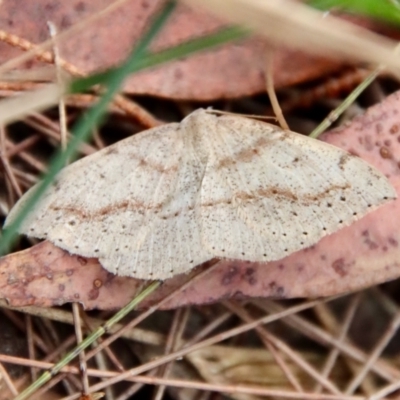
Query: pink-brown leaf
point(232, 70)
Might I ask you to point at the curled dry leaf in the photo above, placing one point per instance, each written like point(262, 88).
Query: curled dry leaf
point(229, 71)
point(363, 254)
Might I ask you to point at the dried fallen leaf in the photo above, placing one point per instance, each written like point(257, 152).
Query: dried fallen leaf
point(229, 71)
point(363, 254)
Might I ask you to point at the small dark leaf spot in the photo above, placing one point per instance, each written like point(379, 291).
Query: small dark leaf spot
point(329, 205)
point(96, 250)
point(341, 221)
point(191, 262)
point(60, 240)
point(354, 213)
point(284, 234)
point(324, 228)
point(243, 254)
point(286, 250)
point(305, 233)
point(32, 229)
point(274, 233)
point(77, 247)
point(385, 152)
point(97, 283)
point(385, 198)
point(117, 249)
point(369, 205)
point(342, 198)
point(72, 223)
point(223, 250)
point(58, 218)
point(213, 248)
point(264, 255)
point(301, 243)
point(295, 214)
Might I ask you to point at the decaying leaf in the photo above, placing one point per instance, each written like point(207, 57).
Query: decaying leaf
point(230, 71)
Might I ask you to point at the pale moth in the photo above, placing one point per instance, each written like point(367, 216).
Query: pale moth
point(165, 200)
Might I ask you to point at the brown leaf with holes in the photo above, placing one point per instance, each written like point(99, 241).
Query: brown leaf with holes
point(361, 255)
point(229, 71)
